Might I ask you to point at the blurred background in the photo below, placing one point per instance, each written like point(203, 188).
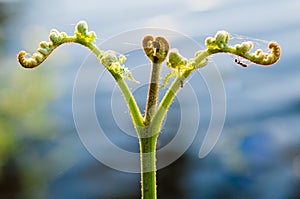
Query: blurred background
point(257, 155)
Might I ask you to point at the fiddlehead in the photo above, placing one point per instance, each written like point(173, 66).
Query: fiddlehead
point(109, 59)
point(115, 65)
point(83, 37)
point(39, 56)
point(220, 44)
point(177, 63)
point(57, 38)
point(155, 48)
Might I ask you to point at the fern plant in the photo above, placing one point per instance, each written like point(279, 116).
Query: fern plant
point(157, 49)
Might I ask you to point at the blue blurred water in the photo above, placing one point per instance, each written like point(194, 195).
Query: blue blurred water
point(256, 154)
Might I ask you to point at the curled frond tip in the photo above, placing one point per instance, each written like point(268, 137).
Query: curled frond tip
point(175, 60)
point(82, 36)
point(156, 48)
point(44, 50)
point(115, 65)
point(37, 58)
point(263, 58)
point(219, 43)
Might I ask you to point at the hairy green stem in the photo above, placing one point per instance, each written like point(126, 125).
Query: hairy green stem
point(166, 101)
point(152, 93)
point(148, 166)
point(128, 96)
point(130, 101)
point(148, 138)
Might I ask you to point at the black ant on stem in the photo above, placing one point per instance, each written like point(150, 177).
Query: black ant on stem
point(238, 61)
point(181, 84)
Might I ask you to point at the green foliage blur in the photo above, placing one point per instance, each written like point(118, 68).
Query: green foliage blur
point(25, 127)
point(23, 102)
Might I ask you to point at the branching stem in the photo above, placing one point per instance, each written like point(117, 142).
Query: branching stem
point(157, 50)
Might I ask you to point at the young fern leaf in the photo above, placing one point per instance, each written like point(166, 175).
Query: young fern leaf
point(56, 39)
point(82, 33)
point(220, 44)
point(178, 64)
point(83, 37)
point(176, 61)
point(115, 65)
point(155, 48)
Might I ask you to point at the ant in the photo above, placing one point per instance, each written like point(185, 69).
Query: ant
point(238, 61)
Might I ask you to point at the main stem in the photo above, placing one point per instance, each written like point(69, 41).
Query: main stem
point(148, 167)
